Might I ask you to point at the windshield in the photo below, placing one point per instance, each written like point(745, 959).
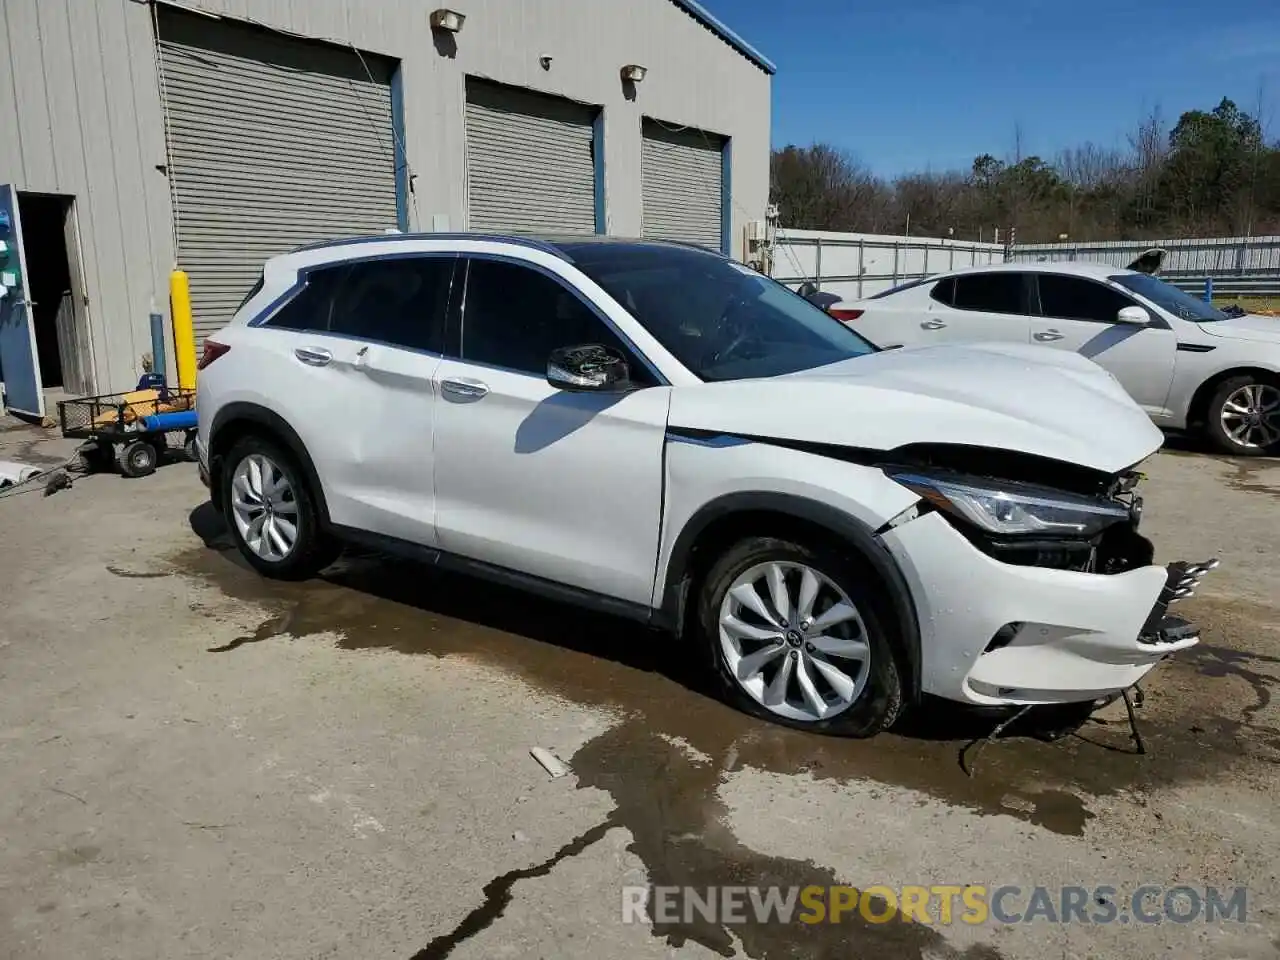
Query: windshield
point(1168, 297)
point(720, 319)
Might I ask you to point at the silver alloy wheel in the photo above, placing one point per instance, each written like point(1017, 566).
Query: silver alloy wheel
point(794, 641)
point(1251, 415)
point(264, 508)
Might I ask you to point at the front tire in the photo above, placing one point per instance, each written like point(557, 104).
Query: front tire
point(1243, 418)
point(272, 513)
point(792, 635)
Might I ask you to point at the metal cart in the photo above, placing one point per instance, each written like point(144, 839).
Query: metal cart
point(131, 429)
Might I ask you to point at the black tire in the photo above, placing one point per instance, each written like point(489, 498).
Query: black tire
point(313, 549)
point(138, 459)
point(1214, 430)
point(189, 447)
point(880, 703)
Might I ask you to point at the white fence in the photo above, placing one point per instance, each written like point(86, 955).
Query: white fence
point(857, 265)
point(1235, 264)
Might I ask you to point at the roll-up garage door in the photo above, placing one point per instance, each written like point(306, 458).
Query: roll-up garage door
point(530, 161)
point(682, 184)
point(275, 142)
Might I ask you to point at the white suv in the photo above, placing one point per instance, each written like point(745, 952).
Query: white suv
point(1189, 365)
point(657, 431)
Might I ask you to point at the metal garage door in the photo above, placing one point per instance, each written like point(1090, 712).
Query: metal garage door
point(275, 142)
point(682, 174)
point(530, 161)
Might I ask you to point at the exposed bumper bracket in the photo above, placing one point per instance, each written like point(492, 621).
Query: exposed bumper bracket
point(1181, 583)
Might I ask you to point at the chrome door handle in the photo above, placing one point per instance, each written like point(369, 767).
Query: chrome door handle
point(464, 388)
point(314, 356)
point(1048, 335)
point(933, 324)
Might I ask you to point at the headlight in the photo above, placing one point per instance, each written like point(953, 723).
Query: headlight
point(1012, 509)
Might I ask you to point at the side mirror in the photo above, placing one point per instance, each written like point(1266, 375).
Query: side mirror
point(1136, 316)
point(588, 366)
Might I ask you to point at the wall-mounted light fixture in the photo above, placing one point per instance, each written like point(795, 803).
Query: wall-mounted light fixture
point(633, 72)
point(448, 20)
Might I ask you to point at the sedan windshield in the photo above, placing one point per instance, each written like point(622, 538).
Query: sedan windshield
point(722, 320)
point(1168, 297)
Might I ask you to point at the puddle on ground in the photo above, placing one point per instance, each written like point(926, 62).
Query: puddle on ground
point(1196, 722)
point(1246, 477)
point(1247, 474)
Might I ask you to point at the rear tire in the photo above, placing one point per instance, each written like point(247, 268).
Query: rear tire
point(271, 511)
point(811, 666)
point(1244, 416)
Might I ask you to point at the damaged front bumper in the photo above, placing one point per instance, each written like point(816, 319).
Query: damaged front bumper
point(996, 633)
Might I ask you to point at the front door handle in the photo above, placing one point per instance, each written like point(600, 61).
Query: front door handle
point(464, 388)
point(314, 356)
point(933, 324)
point(1048, 336)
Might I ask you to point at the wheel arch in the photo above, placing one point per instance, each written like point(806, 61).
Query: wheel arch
point(723, 521)
point(240, 419)
point(1198, 409)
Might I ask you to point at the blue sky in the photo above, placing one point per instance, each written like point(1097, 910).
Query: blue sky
point(929, 84)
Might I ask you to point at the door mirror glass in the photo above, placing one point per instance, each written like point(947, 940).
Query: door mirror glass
point(589, 366)
point(1137, 316)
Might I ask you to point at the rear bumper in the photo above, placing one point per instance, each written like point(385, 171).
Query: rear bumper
point(202, 460)
point(996, 634)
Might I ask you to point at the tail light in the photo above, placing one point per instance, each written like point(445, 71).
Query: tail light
point(212, 351)
point(845, 315)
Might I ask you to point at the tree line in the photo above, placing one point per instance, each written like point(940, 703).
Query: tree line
point(1212, 174)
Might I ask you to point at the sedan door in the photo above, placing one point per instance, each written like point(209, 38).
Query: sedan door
point(1079, 313)
point(562, 486)
point(984, 306)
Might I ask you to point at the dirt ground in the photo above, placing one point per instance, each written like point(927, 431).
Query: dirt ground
point(197, 763)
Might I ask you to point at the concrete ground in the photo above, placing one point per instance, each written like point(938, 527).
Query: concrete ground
point(197, 763)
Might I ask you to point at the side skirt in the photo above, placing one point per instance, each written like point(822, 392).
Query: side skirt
point(429, 556)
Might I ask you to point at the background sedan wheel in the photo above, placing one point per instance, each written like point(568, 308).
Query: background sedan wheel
point(794, 635)
point(1244, 416)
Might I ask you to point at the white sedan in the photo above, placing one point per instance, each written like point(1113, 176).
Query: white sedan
point(1189, 365)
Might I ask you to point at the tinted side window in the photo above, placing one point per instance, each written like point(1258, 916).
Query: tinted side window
point(310, 307)
point(944, 291)
point(997, 292)
point(515, 316)
point(400, 301)
point(1073, 298)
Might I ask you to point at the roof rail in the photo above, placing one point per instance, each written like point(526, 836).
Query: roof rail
point(517, 239)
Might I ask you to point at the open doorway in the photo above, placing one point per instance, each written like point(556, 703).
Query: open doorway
point(50, 242)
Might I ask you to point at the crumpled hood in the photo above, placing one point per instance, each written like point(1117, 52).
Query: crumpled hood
point(1251, 326)
point(1034, 400)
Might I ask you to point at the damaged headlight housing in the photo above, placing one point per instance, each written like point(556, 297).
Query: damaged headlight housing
point(1010, 509)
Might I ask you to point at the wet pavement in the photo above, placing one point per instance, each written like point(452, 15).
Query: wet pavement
point(669, 759)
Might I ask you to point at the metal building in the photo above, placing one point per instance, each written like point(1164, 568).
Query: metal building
point(136, 135)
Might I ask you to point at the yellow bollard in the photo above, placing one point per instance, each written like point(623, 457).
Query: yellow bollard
point(184, 334)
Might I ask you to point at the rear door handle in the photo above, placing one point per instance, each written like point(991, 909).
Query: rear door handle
point(464, 388)
point(1048, 335)
point(314, 356)
point(933, 324)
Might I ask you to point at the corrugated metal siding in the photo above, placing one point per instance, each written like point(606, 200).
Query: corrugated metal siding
point(682, 185)
point(80, 112)
point(276, 142)
point(530, 166)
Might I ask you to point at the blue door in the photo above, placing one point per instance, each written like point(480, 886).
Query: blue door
point(19, 364)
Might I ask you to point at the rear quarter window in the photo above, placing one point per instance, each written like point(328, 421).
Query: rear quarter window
point(944, 291)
